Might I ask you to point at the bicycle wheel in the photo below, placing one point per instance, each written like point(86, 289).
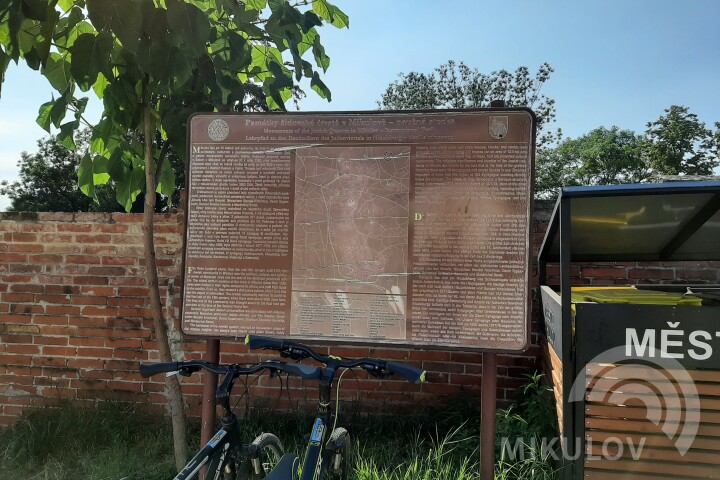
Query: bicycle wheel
point(337, 456)
point(269, 450)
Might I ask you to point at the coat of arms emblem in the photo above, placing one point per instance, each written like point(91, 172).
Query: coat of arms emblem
point(498, 127)
point(218, 130)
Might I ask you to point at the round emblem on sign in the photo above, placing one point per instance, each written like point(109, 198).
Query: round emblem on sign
point(218, 130)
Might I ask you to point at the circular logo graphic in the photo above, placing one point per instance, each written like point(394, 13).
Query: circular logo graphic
point(218, 130)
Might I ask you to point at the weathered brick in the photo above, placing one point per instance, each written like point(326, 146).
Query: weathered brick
point(102, 238)
point(24, 248)
point(74, 227)
point(83, 259)
point(90, 280)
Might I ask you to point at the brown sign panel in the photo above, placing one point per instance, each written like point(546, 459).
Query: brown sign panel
point(407, 228)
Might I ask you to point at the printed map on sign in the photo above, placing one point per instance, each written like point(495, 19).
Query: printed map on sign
point(350, 247)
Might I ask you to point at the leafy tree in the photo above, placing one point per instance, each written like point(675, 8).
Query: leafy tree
point(601, 157)
point(682, 144)
point(153, 63)
point(48, 183)
point(455, 85)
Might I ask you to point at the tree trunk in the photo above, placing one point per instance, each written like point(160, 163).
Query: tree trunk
point(174, 396)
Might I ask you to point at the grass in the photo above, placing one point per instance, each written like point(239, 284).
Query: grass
point(111, 442)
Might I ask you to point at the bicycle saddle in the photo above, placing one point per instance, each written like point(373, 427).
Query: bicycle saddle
point(286, 469)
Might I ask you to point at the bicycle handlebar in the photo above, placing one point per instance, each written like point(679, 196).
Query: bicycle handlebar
point(306, 372)
point(298, 351)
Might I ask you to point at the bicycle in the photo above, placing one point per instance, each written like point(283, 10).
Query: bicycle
point(325, 460)
point(227, 457)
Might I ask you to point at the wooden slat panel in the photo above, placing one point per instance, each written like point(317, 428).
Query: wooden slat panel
point(633, 413)
point(554, 358)
point(607, 424)
point(651, 454)
point(604, 475)
point(706, 403)
point(654, 441)
point(634, 386)
point(680, 471)
point(605, 370)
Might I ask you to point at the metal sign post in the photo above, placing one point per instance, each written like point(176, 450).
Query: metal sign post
point(487, 415)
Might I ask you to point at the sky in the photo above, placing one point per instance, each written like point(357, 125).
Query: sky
point(617, 62)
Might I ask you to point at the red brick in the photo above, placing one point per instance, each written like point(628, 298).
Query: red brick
point(134, 312)
point(82, 259)
point(83, 300)
point(34, 227)
point(18, 297)
point(100, 249)
point(99, 311)
point(74, 227)
point(26, 288)
point(123, 343)
point(126, 302)
point(100, 291)
point(607, 272)
point(62, 289)
point(25, 247)
point(123, 261)
point(8, 359)
point(65, 331)
point(22, 349)
point(49, 361)
point(59, 351)
point(56, 299)
point(110, 271)
point(102, 238)
point(24, 237)
point(12, 258)
point(111, 228)
point(90, 280)
point(94, 332)
point(50, 320)
point(648, 273)
point(54, 238)
point(94, 352)
point(86, 363)
point(127, 217)
point(42, 340)
point(24, 308)
point(17, 278)
point(45, 258)
point(132, 292)
point(87, 342)
point(62, 310)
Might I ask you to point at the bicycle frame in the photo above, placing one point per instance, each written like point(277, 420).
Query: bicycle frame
point(325, 420)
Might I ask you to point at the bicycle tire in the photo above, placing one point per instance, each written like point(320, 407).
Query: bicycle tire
point(270, 450)
point(338, 444)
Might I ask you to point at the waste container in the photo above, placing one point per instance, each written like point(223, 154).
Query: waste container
point(635, 370)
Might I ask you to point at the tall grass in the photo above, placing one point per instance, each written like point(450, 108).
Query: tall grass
point(111, 442)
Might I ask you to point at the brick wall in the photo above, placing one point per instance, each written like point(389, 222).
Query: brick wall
point(75, 321)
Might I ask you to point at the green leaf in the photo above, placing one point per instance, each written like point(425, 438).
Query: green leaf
point(100, 171)
point(36, 9)
point(100, 85)
point(90, 56)
point(66, 5)
point(58, 110)
point(128, 188)
point(190, 23)
point(57, 71)
point(321, 59)
point(65, 136)
point(4, 62)
point(166, 184)
point(43, 118)
point(86, 182)
point(330, 13)
point(256, 4)
point(320, 87)
point(123, 17)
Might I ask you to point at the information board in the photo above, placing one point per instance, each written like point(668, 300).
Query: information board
point(367, 228)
